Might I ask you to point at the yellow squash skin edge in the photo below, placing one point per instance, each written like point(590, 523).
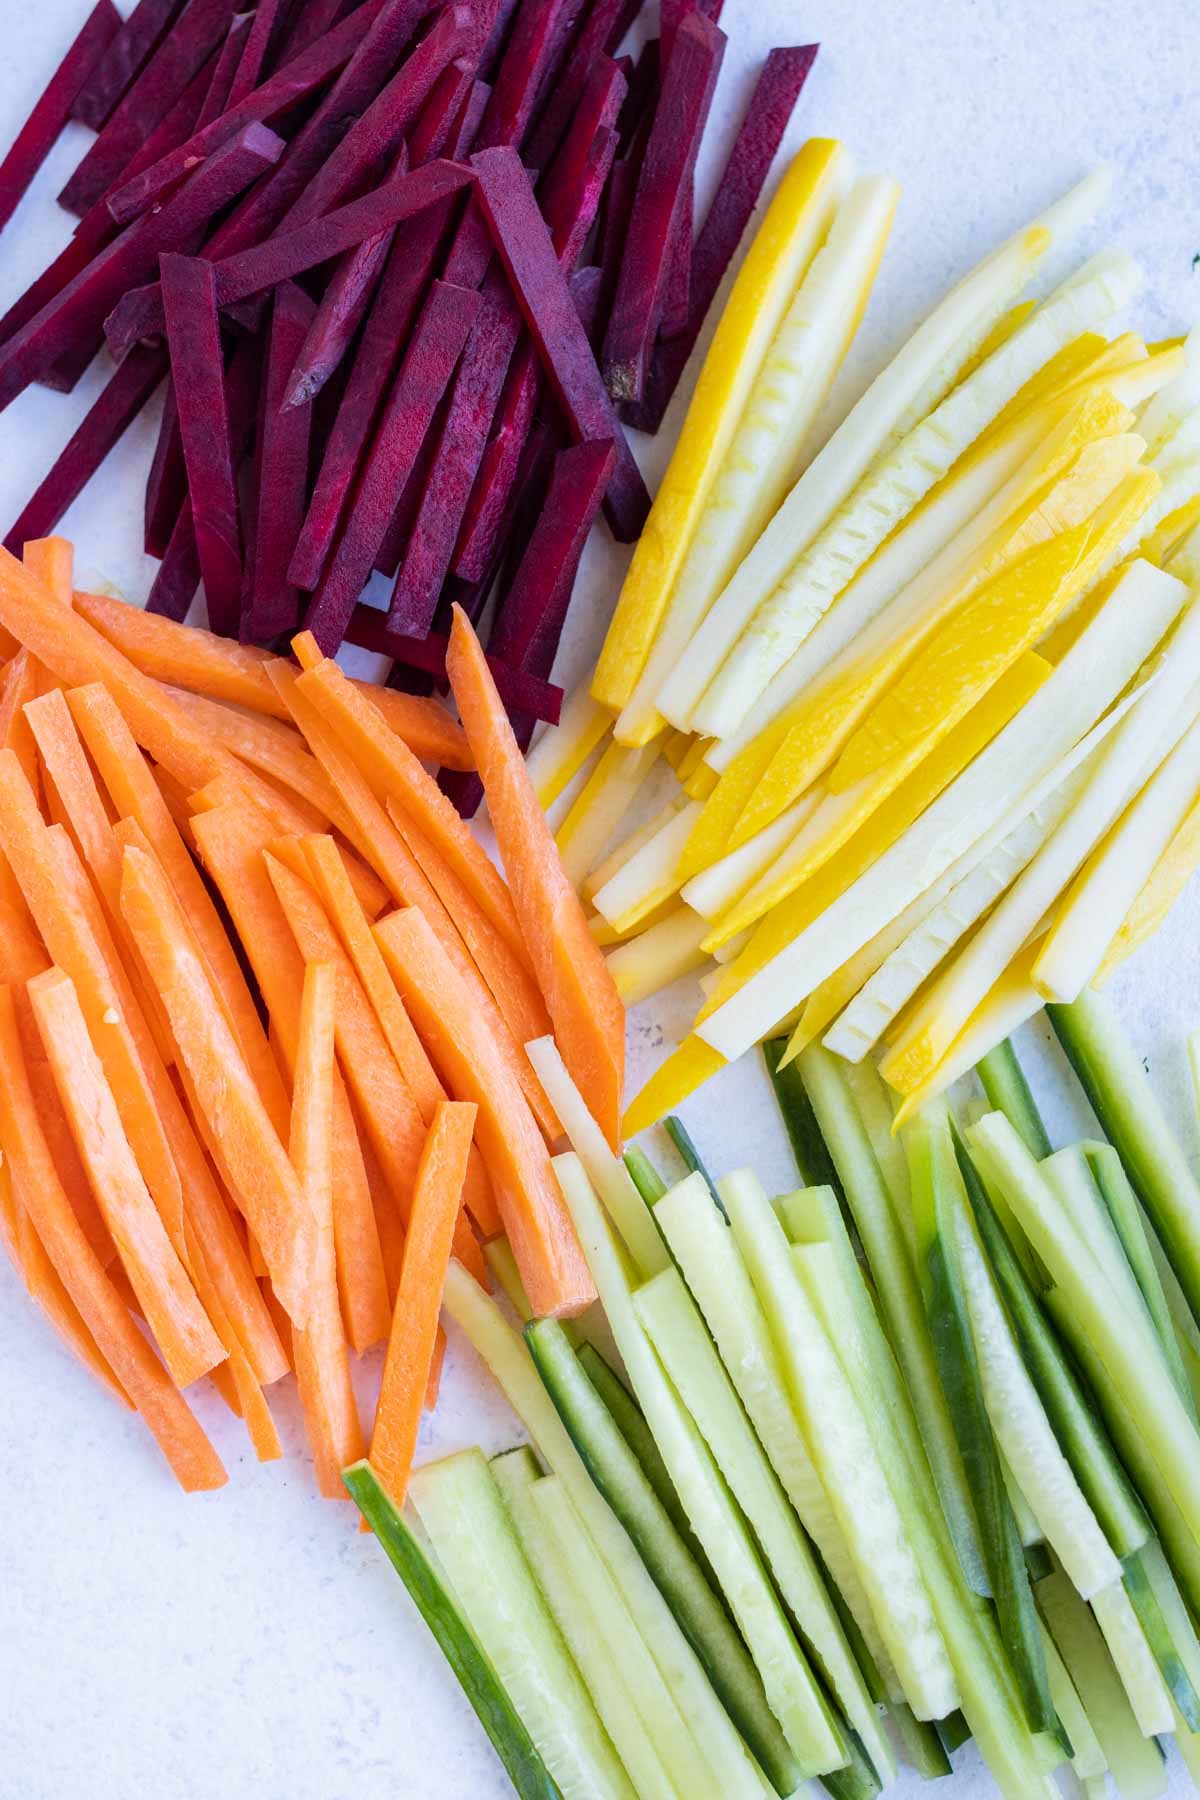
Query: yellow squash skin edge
point(801, 207)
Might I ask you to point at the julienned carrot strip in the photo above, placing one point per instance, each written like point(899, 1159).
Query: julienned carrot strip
point(231, 841)
point(535, 1219)
point(382, 1097)
point(117, 1337)
point(63, 757)
point(322, 1367)
point(422, 1278)
point(266, 1185)
point(186, 656)
point(392, 770)
point(52, 560)
point(76, 653)
point(47, 868)
point(235, 788)
point(244, 1390)
point(135, 795)
point(266, 744)
point(512, 986)
point(45, 1287)
point(584, 1006)
point(18, 686)
point(376, 838)
point(72, 794)
point(11, 1216)
point(178, 1323)
point(328, 873)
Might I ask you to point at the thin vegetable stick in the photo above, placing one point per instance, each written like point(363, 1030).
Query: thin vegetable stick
point(231, 841)
point(237, 787)
point(189, 1345)
point(46, 1288)
point(18, 686)
point(394, 771)
point(407, 1368)
point(186, 656)
point(322, 1368)
point(265, 744)
point(376, 838)
point(582, 1000)
point(348, 919)
point(512, 987)
point(267, 1189)
point(135, 795)
point(247, 1394)
point(535, 1219)
point(76, 653)
point(116, 1334)
point(41, 857)
point(71, 782)
point(383, 1099)
point(52, 560)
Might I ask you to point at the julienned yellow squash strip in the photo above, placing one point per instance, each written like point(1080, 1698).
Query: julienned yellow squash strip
point(1170, 875)
point(788, 238)
point(865, 808)
point(658, 956)
point(1012, 1001)
point(1055, 493)
point(1001, 619)
point(907, 802)
point(598, 809)
point(562, 749)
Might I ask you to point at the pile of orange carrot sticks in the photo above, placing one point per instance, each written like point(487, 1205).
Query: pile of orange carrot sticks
point(264, 1002)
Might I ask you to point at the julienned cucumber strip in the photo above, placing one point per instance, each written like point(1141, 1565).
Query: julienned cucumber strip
point(1071, 1410)
point(785, 1676)
point(1135, 1762)
point(1008, 1092)
point(1087, 1757)
point(682, 1139)
point(921, 1743)
point(629, 1421)
point(939, 1200)
point(646, 1178)
point(813, 1161)
point(704, 1248)
point(836, 1427)
point(460, 1508)
point(1174, 1612)
point(953, 1731)
point(1143, 1382)
point(1112, 1182)
point(589, 1612)
point(441, 1612)
point(1019, 1761)
point(1123, 1101)
point(1176, 1534)
point(690, 1359)
point(1134, 1659)
point(1158, 1635)
point(892, 1268)
point(619, 1476)
point(726, 1767)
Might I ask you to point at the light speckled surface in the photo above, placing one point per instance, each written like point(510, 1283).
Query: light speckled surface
point(251, 1641)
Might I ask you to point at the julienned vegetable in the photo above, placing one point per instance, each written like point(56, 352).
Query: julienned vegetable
point(417, 153)
point(751, 1358)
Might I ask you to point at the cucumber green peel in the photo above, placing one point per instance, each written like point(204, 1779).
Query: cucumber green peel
point(682, 1139)
point(1008, 1092)
point(630, 1421)
point(442, 1614)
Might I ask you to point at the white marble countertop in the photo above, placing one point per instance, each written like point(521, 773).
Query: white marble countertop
point(252, 1640)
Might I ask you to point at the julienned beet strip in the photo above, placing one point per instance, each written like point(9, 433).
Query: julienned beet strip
point(112, 75)
point(428, 365)
point(290, 254)
point(174, 587)
point(282, 470)
point(527, 250)
point(604, 26)
point(114, 409)
point(663, 192)
point(534, 605)
point(184, 49)
point(166, 484)
point(198, 377)
point(258, 48)
point(298, 79)
point(74, 314)
point(772, 103)
point(368, 628)
point(51, 111)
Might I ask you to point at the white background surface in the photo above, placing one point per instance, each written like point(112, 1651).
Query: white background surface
point(251, 1640)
